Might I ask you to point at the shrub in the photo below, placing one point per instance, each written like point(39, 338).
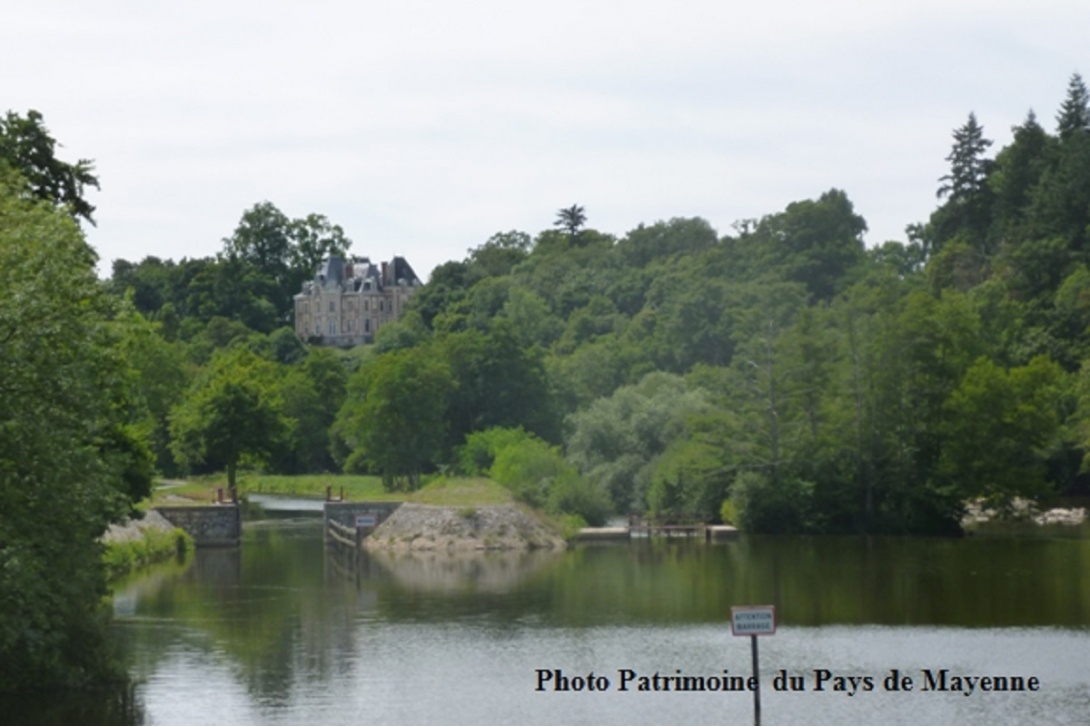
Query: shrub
point(764, 506)
point(155, 546)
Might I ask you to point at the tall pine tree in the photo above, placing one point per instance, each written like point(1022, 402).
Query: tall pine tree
point(1074, 115)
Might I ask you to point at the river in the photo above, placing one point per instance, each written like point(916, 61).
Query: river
point(285, 630)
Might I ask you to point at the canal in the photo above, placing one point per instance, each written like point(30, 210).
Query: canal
point(286, 631)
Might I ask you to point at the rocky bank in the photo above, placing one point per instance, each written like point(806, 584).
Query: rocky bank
point(1024, 510)
point(134, 529)
point(414, 527)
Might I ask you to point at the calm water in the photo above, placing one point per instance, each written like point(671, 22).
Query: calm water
point(284, 630)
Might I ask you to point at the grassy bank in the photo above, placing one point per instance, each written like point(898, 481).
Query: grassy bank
point(461, 492)
point(454, 491)
point(202, 489)
point(154, 546)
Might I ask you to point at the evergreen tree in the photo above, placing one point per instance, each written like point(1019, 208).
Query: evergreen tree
point(968, 167)
point(1074, 113)
point(964, 188)
point(1017, 171)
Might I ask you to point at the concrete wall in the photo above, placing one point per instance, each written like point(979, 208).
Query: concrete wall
point(208, 525)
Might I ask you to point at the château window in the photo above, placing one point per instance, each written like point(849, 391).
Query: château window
point(332, 306)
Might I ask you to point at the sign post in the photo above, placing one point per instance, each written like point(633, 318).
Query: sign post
point(754, 621)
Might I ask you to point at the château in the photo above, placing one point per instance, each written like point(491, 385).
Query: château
point(350, 299)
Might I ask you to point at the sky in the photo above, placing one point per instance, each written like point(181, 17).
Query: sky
point(423, 128)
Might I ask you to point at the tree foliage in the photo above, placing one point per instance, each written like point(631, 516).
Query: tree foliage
point(72, 457)
point(392, 420)
point(232, 411)
point(571, 220)
point(27, 147)
point(781, 373)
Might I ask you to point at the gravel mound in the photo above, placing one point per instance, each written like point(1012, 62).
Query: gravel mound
point(486, 527)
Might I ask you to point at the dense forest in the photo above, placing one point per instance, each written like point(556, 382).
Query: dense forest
point(781, 376)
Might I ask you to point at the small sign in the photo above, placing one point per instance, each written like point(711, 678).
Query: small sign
point(366, 521)
point(753, 620)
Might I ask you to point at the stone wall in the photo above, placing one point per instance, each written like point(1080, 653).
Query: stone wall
point(344, 513)
point(208, 525)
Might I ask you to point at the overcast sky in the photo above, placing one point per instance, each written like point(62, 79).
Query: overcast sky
point(422, 128)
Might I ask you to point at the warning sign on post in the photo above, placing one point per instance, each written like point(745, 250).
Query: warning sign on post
point(753, 620)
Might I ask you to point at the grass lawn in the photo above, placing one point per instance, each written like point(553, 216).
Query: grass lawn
point(454, 491)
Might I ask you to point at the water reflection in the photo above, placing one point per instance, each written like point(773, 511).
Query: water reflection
point(462, 572)
point(289, 629)
point(117, 705)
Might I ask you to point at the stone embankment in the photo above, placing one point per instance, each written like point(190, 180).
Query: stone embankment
point(134, 529)
point(484, 527)
point(1025, 510)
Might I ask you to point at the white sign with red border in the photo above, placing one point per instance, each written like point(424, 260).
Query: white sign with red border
point(753, 620)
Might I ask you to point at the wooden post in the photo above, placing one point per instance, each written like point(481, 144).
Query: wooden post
point(328, 493)
point(342, 493)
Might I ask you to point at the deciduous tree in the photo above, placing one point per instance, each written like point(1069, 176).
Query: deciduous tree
point(232, 411)
point(70, 459)
point(28, 148)
point(392, 421)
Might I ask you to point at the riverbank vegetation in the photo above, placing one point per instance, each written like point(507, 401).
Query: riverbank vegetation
point(782, 374)
point(73, 452)
point(153, 545)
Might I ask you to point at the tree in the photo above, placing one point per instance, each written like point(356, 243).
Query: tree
point(663, 239)
point(160, 378)
point(816, 241)
point(70, 458)
point(964, 187)
point(968, 167)
point(278, 253)
point(499, 254)
point(26, 146)
point(312, 394)
point(497, 383)
point(616, 441)
point(392, 420)
point(262, 238)
point(1061, 201)
point(314, 238)
point(231, 412)
point(1017, 171)
point(997, 426)
point(571, 220)
point(1074, 114)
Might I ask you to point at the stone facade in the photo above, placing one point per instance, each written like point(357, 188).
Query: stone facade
point(350, 299)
